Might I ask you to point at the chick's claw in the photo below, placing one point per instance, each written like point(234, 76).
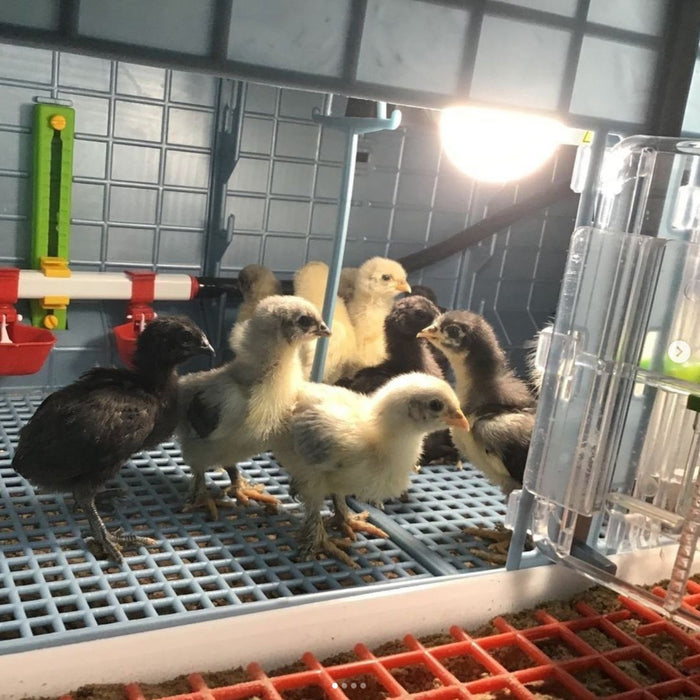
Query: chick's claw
point(206, 500)
point(331, 546)
point(350, 524)
point(110, 547)
point(244, 492)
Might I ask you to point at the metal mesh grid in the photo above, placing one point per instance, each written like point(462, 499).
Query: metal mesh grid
point(624, 652)
point(53, 590)
point(443, 501)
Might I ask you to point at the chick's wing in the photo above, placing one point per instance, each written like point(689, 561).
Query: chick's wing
point(325, 424)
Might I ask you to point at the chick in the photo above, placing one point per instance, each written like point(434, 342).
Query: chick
point(338, 442)
point(310, 283)
point(229, 414)
point(346, 286)
point(405, 351)
point(81, 435)
point(422, 290)
point(498, 405)
point(377, 282)
point(256, 283)
point(408, 353)
point(429, 293)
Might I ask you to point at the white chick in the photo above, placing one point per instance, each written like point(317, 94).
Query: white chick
point(377, 282)
point(338, 442)
point(310, 283)
point(256, 282)
point(228, 414)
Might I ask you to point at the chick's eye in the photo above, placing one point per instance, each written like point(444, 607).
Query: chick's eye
point(436, 405)
point(452, 331)
point(386, 278)
point(305, 322)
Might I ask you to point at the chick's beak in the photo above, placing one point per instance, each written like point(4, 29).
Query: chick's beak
point(206, 348)
point(403, 286)
point(431, 332)
point(323, 331)
point(456, 419)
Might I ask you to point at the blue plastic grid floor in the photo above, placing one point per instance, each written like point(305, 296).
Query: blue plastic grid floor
point(442, 502)
point(54, 591)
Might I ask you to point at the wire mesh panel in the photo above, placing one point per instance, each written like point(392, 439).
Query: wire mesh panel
point(54, 590)
point(442, 510)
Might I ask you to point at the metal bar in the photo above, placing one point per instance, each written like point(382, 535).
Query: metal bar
point(68, 17)
point(353, 127)
point(471, 45)
point(522, 520)
point(275, 76)
point(341, 230)
point(572, 57)
point(354, 40)
point(486, 227)
point(220, 29)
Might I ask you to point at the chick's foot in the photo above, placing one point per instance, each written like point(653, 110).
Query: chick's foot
point(325, 544)
point(245, 492)
point(357, 522)
point(206, 500)
point(109, 545)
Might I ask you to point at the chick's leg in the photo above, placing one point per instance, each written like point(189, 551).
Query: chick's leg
point(199, 496)
point(350, 522)
point(314, 539)
point(108, 543)
point(243, 491)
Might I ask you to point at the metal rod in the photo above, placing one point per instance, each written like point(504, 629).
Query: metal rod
point(353, 127)
point(517, 541)
point(341, 231)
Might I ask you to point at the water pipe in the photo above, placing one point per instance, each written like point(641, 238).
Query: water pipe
point(353, 127)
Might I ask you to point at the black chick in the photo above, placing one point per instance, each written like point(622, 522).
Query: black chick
point(405, 351)
point(429, 293)
point(408, 353)
point(498, 405)
point(82, 434)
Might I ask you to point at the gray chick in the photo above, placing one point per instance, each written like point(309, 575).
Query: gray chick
point(229, 414)
point(498, 405)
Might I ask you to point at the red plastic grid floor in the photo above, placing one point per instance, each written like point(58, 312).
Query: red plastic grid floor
point(508, 664)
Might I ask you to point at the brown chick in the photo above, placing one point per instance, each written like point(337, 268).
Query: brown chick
point(498, 405)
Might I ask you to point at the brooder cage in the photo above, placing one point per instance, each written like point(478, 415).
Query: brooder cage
point(193, 176)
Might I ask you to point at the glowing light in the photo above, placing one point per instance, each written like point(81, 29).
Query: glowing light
point(497, 145)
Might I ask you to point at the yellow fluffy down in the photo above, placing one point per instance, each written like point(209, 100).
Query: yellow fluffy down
point(310, 282)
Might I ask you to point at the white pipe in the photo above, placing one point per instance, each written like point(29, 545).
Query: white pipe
point(34, 284)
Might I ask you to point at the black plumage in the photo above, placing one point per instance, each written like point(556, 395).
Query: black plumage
point(429, 293)
point(82, 434)
point(499, 406)
point(405, 352)
point(408, 353)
